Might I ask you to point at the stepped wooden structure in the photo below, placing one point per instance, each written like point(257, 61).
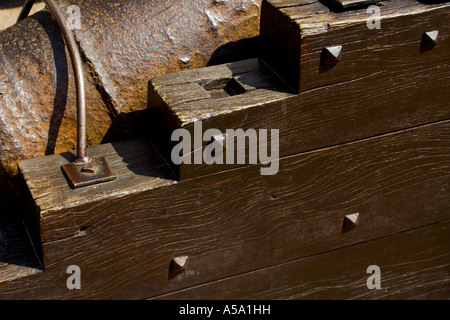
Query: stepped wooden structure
point(364, 174)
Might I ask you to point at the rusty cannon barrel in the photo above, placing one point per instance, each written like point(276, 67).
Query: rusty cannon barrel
point(123, 45)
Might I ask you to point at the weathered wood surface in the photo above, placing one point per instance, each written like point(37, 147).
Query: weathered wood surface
point(296, 36)
point(196, 89)
point(186, 97)
point(136, 163)
point(348, 111)
point(236, 221)
point(414, 265)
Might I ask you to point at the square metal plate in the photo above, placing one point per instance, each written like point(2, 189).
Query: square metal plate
point(82, 175)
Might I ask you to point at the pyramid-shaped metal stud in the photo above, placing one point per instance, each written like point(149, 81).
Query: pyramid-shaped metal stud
point(179, 264)
point(429, 39)
point(350, 222)
point(432, 35)
point(331, 55)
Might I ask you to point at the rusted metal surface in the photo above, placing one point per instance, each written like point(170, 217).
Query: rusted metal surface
point(86, 174)
point(37, 104)
point(124, 44)
point(83, 171)
point(77, 65)
point(127, 42)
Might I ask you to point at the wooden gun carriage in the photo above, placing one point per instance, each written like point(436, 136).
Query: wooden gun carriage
point(363, 116)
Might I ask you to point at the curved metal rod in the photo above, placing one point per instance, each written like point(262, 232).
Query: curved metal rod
point(25, 9)
point(77, 65)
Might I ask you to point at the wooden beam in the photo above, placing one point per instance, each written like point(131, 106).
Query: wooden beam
point(297, 35)
point(236, 221)
point(413, 265)
point(365, 106)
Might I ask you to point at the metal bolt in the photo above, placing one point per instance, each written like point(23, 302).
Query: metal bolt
point(350, 222)
point(429, 39)
point(331, 55)
point(179, 264)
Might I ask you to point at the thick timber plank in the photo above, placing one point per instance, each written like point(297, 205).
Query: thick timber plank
point(368, 105)
point(297, 35)
point(413, 265)
point(239, 221)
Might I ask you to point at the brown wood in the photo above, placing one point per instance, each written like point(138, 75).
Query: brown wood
point(136, 164)
point(414, 265)
point(368, 136)
point(208, 102)
point(296, 36)
point(327, 116)
point(236, 221)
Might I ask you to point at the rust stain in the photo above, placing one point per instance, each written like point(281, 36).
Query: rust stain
point(124, 45)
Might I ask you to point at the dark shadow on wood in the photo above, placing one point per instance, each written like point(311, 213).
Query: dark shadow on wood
point(9, 193)
point(332, 5)
point(144, 159)
point(129, 125)
point(235, 51)
point(336, 7)
point(15, 245)
point(323, 66)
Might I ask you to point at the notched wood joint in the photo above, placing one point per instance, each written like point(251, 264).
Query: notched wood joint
point(222, 88)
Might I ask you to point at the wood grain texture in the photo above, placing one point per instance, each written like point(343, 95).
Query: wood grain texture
point(300, 33)
point(209, 99)
point(185, 107)
point(136, 163)
point(351, 110)
point(239, 221)
point(414, 265)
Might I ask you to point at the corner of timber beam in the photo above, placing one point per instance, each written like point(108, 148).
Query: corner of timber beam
point(136, 164)
point(297, 34)
point(222, 97)
point(350, 79)
point(325, 116)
